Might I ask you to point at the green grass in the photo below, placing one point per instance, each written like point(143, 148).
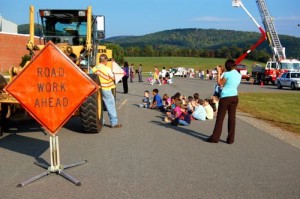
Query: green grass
point(197, 63)
point(279, 109)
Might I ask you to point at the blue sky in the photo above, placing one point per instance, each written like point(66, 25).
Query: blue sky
point(140, 17)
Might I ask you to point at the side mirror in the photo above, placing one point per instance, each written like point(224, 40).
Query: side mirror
point(100, 27)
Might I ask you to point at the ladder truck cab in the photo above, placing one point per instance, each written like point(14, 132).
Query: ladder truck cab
point(279, 63)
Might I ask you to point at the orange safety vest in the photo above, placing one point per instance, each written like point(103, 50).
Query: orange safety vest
point(107, 83)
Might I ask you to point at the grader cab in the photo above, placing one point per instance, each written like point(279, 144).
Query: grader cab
point(77, 34)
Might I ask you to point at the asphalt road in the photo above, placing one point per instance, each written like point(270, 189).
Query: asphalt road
point(150, 159)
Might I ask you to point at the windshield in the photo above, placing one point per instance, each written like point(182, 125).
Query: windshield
point(290, 66)
point(72, 27)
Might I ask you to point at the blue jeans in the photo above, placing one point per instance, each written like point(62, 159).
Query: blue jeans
point(110, 104)
point(183, 122)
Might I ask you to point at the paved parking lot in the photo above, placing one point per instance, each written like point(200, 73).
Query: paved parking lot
point(150, 159)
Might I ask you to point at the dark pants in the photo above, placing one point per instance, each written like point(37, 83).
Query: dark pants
point(140, 77)
point(125, 83)
point(225, 104)
point(131, 77)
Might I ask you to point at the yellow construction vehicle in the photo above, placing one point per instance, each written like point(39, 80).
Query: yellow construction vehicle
point(77, 33)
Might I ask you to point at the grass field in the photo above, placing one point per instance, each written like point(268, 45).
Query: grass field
point(279, 109)
point(197, 63)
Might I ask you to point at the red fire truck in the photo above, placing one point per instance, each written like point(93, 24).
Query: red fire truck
point(279, 63)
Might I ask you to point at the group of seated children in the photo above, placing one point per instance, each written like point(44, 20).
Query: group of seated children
point(179, 110)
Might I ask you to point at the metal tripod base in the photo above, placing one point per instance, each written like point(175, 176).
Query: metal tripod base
point(59, 171)
point(55, 166)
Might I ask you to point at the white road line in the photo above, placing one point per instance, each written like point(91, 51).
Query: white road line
point(122, 104)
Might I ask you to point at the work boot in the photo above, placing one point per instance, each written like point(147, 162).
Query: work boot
point(116, 126)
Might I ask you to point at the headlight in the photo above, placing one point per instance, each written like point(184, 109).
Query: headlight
point(81, 13)
point(45, 13)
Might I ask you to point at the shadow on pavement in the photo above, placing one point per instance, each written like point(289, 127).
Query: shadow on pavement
point(24, 145)
point(24, 126)
point(184, 130)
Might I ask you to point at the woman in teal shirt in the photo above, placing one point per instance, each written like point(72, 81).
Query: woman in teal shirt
point(228, 101)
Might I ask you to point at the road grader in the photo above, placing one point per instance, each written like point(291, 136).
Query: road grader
point(77, 34)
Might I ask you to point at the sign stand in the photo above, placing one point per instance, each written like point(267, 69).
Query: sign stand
point(55, 166)
point(53, 94)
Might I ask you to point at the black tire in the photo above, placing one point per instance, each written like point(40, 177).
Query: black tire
point(279, 85)
point(91, 110)
point(293, 87)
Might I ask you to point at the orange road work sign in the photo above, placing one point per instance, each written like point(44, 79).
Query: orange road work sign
point(51, 88)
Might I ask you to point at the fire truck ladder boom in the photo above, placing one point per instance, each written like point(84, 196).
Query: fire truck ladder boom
point(238, 3)
point(267, 20)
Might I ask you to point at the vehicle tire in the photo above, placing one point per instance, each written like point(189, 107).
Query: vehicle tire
point(279, 85)
point(293, 87)
point(91, 110)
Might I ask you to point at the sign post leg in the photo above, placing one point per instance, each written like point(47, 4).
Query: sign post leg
point(55, 166)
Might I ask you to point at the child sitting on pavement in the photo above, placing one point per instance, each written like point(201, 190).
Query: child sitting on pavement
point(215, 101)
point(157, 101)
point(176, 111)
point(145, 101)
point(199, 112)
point(184, 119)
point(190, 104)
point(209, 110)
point(166, 101)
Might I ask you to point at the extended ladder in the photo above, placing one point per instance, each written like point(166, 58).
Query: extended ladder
point(267, 20)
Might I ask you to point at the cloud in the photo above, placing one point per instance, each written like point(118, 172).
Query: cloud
point(213, 19)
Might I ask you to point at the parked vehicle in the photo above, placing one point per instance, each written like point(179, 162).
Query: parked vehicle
point(265, 74)
point(273, 69)
point(242, 69)
point(289, 79)
point(180, 72)
point(279, 63)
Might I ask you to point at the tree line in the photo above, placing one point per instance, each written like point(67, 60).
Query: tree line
point(202, 43)
point(192, 42)
point(223, 52)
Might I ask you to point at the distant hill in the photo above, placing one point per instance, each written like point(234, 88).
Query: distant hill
point(195, 42)
point(206, 39)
